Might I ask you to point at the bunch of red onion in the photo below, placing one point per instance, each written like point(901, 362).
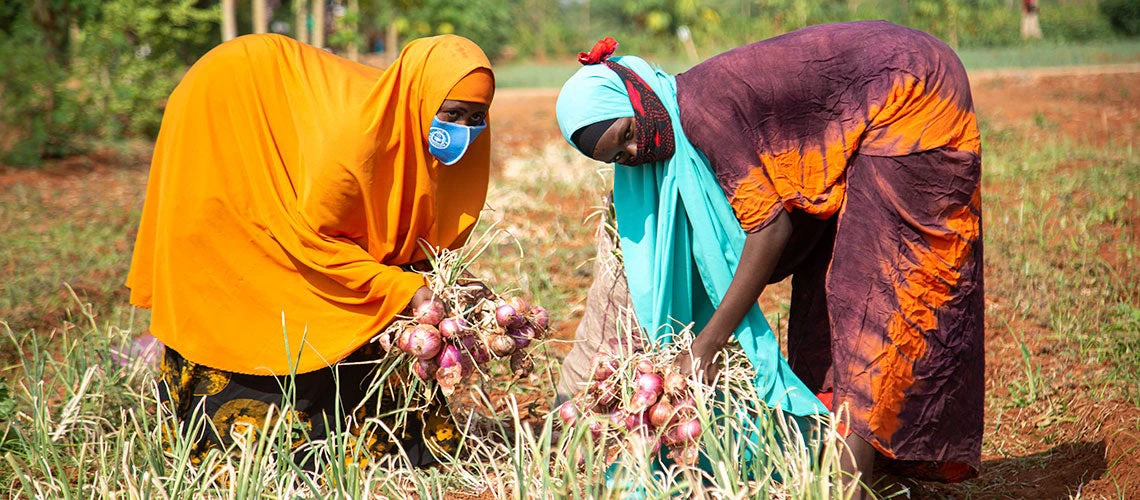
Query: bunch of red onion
point(449, 343)
point(642, 396)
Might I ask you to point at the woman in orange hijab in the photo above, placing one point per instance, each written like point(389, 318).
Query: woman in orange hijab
point(289, 192)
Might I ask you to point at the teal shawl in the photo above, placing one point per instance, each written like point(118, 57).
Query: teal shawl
point(680, 240)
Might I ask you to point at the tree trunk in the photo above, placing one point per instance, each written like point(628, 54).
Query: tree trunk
point(586, 16)
point(1030, 26)
point(319, 23)
point(352, 14)
point(391, 42)
point(260, 19)
point(301, 20)
point(229, 20)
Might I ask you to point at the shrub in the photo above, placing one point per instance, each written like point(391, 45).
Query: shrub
point(1123, 16)
point(488, 23)
point(83, 69)
point(43, 113)
point(129, 60)
point(1074, 22)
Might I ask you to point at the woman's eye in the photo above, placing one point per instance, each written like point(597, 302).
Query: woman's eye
point(478, 118)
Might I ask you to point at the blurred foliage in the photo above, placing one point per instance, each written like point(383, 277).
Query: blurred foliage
point(72, 71)
point(490, 23)
point(1076, 22)
point(1123, 15)
point(961, 23)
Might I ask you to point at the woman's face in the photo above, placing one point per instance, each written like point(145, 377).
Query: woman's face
point(470, 114)
point(618, 143)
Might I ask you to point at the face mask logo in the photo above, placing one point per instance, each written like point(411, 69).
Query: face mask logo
point(449, 141)
point(439, 138)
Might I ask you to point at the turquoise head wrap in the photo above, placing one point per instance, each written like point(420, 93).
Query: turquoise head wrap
point(673, 217)
point(593, 94)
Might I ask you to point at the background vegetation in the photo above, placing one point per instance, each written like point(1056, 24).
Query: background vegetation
point(77, 71)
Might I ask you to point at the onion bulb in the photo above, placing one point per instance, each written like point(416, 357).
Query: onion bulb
point(425, 368)
point(430, 312)
point(568, 412)
point(480, 354)
point(385, 341)
point(685, 407)
point(508, 317)
point(502, 345)
point(404, 341)
point(687, 431)
point(603, 367)
point(635, 421)
point(424, 342)
point(519, 304)
point(596, 428)
point(650, 382)
point(452, 328)
point(468, 341)
point(606, 392)
point(520, 337)
point(687, 455)
point(642, 399)
point(645, 366)
point(527, 332)
point(466, 366)
point(661, 413)
point(539, 318)
point(675, 383)
point(449, 356)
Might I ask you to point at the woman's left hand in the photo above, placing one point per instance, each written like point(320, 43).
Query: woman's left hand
point(702, 357)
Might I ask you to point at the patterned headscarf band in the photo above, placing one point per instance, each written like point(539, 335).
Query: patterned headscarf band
point(651, 120)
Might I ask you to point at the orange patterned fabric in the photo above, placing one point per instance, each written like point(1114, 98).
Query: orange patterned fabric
point(870, 126)
point(905, 302)
point(783, 134)
point(287, 187)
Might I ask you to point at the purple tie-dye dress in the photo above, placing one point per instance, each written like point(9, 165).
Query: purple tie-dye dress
point(869, 126)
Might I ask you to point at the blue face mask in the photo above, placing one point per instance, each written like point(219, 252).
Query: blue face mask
point(449, 141)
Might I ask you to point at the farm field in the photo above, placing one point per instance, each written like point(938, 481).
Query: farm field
point(1061, 175)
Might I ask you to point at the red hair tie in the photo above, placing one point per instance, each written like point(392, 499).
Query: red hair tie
point(601, 51)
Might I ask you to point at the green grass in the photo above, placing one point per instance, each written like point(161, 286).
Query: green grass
point(527, 74)
point(82, 425)
point(65, 233)
point(1046, 54)
point(1060, 251)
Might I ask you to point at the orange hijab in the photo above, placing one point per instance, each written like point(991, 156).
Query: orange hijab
point(286, 186)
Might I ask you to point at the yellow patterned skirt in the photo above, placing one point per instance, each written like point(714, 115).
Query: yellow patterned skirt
point(214, 406)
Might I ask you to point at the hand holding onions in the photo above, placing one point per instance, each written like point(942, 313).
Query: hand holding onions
point(644, 397)
point(461, 328)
